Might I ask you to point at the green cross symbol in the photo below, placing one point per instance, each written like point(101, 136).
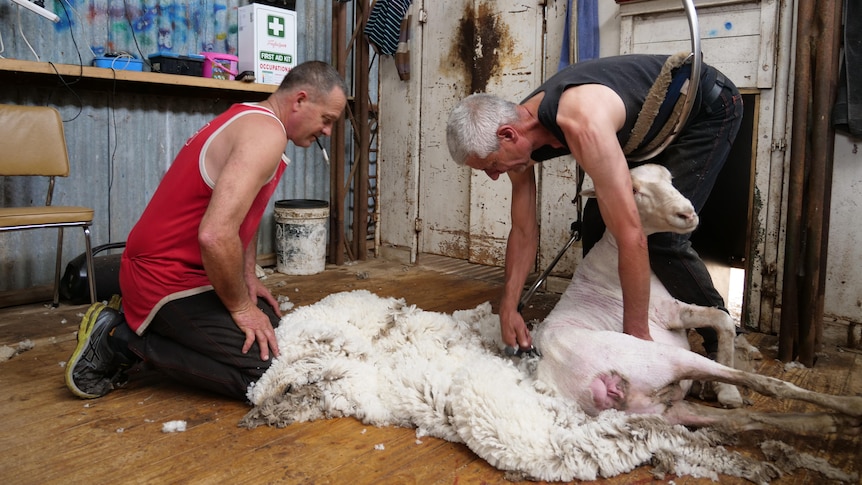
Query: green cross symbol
point(274, 26)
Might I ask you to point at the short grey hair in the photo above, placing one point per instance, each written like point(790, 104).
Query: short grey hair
point(472, 126)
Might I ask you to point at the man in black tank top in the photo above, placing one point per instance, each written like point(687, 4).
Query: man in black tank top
point(589, 110)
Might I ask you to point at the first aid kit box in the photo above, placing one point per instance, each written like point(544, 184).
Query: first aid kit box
point(266, 41)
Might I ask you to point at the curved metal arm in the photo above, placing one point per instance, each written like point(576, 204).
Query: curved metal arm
point(693, 84)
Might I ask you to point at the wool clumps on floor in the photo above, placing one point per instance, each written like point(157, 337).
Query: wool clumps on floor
point(7, 352)
point(177, 426)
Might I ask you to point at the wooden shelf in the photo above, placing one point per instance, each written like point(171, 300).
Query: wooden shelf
point(29, 73)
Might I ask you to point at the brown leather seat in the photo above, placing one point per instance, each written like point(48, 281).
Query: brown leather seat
point(33, 144)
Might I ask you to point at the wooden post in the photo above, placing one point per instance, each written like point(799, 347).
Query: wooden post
point(360, 180)
point(336, 177)
point(809, 193)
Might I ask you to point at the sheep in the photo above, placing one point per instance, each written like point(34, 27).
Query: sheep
point(587, 358)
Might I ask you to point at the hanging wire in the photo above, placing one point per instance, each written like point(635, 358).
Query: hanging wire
point(21, 31)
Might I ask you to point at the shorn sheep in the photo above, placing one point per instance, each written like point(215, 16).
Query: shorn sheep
point(587, 358)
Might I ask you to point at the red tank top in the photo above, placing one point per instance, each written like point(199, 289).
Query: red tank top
point(162, 260)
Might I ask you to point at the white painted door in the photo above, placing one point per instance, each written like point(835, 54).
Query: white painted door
point(750, 42)
point(471, 46)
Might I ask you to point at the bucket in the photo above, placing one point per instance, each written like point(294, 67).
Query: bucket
point(300, 236)
point(220, 66)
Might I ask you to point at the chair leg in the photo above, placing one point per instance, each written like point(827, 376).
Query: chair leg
point(91, 270)
point(56, 302)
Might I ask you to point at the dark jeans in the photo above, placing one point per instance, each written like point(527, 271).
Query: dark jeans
point(195, 341)
point(694, 159)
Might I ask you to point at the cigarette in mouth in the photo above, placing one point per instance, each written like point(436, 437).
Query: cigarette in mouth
point(325, 156)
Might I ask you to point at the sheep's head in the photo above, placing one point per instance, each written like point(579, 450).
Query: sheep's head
point(661, 206)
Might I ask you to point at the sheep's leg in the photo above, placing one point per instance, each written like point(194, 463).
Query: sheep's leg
point(693, 316)
point(705, 369)
point(735, 420)
point(667, 365)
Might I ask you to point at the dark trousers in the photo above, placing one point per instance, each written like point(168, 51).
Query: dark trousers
point(195, 341)
point(694, 159)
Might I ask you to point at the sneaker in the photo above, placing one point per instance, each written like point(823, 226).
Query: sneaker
point(95, 369)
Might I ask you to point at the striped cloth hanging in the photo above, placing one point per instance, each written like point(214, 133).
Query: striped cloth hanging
point(383, 28)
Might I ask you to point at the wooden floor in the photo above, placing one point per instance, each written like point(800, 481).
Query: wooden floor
point(49, 436)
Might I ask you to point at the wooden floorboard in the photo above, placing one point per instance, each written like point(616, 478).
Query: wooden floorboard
point(52, 437)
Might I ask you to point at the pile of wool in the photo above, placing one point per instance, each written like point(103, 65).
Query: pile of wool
point(387, 363)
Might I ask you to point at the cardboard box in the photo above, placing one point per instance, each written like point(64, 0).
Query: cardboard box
point(266, 42)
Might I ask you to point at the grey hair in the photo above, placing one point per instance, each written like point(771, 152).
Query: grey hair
point(472, 126)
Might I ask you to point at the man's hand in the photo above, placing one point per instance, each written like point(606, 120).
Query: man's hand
point(641, 331)
point(257, 289)
point(257, 328)
point(514, 330)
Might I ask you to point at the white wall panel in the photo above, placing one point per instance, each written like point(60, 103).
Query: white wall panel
point(843, 299)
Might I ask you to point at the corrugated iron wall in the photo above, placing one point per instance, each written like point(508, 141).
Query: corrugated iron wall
point(121, 143)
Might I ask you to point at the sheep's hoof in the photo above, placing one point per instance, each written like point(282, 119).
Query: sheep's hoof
point(728, 395)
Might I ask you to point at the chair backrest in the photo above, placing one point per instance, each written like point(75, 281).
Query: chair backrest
point(32, 141)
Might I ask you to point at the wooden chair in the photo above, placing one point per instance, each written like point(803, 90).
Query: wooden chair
point(33, 143)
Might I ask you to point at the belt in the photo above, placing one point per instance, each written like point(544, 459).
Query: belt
point(712, 95)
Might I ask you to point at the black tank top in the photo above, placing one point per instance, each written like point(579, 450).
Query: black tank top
point(630, 76)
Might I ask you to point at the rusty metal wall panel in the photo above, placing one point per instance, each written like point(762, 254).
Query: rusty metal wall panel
point(121, 143)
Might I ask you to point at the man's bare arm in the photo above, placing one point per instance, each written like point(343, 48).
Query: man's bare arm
point(521, 249)
point(251, 154)
point(590, 116)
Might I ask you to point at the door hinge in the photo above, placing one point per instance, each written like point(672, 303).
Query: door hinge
point(417, 225)
point(779, 145)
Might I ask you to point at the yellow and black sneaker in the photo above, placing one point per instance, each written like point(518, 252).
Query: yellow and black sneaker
point(96, 368)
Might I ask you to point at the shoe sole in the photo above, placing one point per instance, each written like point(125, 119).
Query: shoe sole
point(84, 331)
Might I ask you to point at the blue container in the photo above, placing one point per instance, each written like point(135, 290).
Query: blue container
point(119, 63)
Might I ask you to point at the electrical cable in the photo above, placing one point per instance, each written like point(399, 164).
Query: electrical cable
point(69, 87)
point(63, 81)
point(121, 56)
point(21, 31)
point(71, 33)
point(116, 144)
point(134, 37)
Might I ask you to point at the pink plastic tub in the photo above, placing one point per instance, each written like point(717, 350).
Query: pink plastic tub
point(220, 66)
